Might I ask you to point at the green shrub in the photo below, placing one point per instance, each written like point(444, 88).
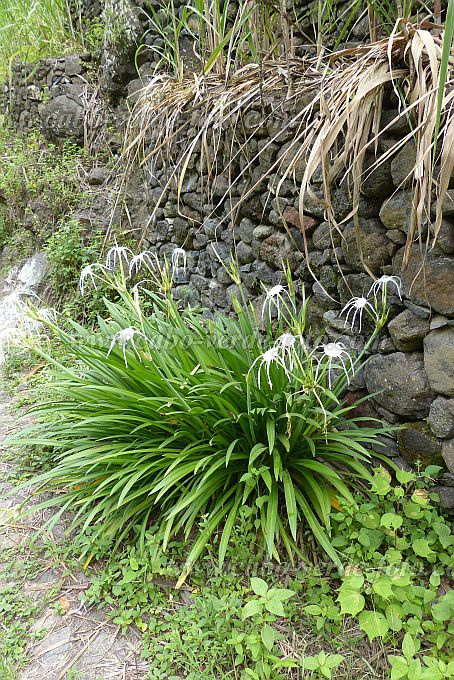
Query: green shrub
point(176, 416)
point(39, 185)
point(68, 250)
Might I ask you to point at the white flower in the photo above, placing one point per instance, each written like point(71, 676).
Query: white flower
point(179, 253)
point(275, 297)
point(116, 255)
point(87, 273)
point(125, 337)
point(266, 359)
point(285, 345)
point(147, 257)
point(136, 287)
point(333, 351)
point(383, 282)
point(357, 305)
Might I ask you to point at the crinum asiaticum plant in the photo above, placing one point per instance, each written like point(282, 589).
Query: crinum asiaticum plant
point(176, 417)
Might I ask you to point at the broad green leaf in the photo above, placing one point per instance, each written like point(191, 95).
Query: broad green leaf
point(128, 576)
point(412, 510)
point(391, 520)
point(268, 636)
point(421, 547)
point(251, 608)
point(275, 606)
point(381, 482)
point(281, 594)
point(310, 663)
point(313, 609)
point(371, 538)
point(371, 520)
point(351, 602)
point(394, 616)
point(404, 477)
point(443, 610)
point(353, 581)
point(373, 624)
point(383, 587)
point(334, 660)
point(409, 646)
point(399, 667)
point(133, 563)
point(259, 586)
point(414, 669)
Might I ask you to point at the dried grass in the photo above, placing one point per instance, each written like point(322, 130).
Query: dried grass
point(333, 131)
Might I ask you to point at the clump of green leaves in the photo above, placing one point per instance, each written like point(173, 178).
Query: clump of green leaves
point(322, 664)
point(268, 603)
point(400, 548)
point(400, 521)
point(224, 620)
point(39, 185)
point(127, 583)
point(215, 634)
point(177, 415)
point(69, 249)
point(408, 666)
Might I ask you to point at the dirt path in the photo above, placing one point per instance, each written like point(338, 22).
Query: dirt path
point(76, 642)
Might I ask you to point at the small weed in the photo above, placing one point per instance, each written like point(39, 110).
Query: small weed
point(16, 610)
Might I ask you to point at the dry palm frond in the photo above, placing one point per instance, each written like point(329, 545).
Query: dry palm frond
point(333, 129)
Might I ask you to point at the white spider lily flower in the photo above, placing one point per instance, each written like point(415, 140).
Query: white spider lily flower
point(136, 287)
point(275, 297)
point(88, 273)
point(285, 344)
point(116, 255)
point(179, 253)
point(383, 282)
point(147, 257)
point(125, 337)
point(357, 305)
point(265, 360)
point(334, 351)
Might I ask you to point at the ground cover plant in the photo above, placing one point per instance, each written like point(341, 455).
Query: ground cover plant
point(175, 414)
point(388, 615)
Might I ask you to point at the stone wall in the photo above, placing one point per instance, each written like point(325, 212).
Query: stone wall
point(48, 94)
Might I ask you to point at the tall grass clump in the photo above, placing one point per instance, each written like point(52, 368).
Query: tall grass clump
point(225, 35)
point(172, 417)
point(34, 29)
